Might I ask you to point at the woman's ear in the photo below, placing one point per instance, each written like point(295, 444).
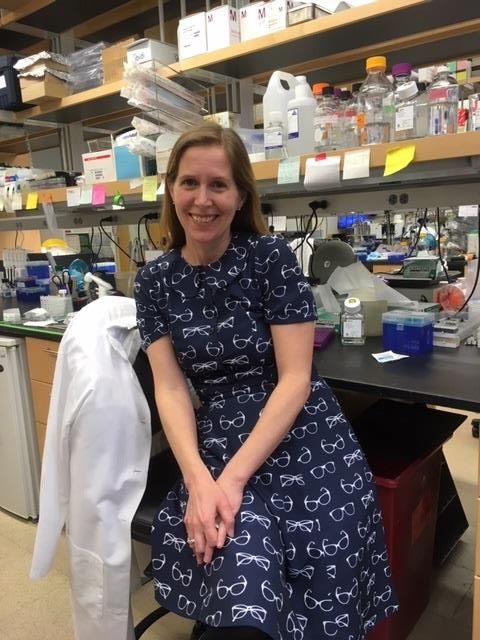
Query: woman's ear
point(243, 197)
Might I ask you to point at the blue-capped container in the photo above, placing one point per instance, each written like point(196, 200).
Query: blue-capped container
point(39, 269)
point(409, 332)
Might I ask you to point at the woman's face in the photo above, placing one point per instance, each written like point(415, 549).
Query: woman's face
point(206, 197)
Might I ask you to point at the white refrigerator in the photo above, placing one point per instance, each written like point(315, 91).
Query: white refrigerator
point(19, 458)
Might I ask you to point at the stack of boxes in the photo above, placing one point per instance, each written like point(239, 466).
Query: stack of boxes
point(43, 77)
point(223, 26)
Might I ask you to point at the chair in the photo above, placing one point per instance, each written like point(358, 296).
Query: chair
point(163, 472)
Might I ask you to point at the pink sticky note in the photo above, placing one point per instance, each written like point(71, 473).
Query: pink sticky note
point(98, 194)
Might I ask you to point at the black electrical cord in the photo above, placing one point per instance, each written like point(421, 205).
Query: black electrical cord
point(109, 219)
point(140, 248)
point(475, 284)
point(439, 249)
point(92, 252)
point(95, 255)
point(422, 223)
point(148, 233)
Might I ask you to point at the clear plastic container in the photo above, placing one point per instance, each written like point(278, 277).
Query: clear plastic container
point(352, 322)
point(422, 110)
point(347, 132)
point(325, 120)
point(405, 111)
point(443, 103)
point(401, 73)
point(474, 111)
point(274, 137)
point(300, 115)
point(280, 89)
point(375, 104)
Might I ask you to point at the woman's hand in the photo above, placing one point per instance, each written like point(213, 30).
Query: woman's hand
point(207, 506)
point(233, 489)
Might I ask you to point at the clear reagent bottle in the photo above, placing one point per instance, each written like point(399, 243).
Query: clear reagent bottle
point(275, 138)
point(352, 322)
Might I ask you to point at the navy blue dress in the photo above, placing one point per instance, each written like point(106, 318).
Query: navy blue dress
point(308, 560)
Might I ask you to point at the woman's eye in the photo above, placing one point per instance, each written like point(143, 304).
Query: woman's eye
point(188, 182)
point(218, 184)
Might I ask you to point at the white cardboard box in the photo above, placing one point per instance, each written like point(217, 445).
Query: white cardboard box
point(276, 15)
point(192, 35)
point(253, 21)
point(147, 49)
point(99, 166)
point(223, 27)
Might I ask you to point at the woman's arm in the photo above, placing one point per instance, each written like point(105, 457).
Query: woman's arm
point(293, 348)
point(207, 501)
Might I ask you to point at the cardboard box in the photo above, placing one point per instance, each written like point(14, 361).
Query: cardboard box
point(303, 12)
point(223, 27)
point(253, 21)
point(99, 166)
point(147, 49)
point(226, 119)
point(11, 5)
point(192, 35)
point(113, 58)
point(127, 164)
point(276, 15)
point(38, 90)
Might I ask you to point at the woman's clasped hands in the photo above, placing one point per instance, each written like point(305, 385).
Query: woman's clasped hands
point(210, 514)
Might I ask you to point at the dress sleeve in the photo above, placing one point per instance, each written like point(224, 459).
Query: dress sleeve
point(152, 304)
point(287, 296)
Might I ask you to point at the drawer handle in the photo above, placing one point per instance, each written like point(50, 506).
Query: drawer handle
point(51, 352)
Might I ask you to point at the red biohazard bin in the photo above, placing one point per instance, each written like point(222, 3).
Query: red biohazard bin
point(408, 494)
point(403, 445)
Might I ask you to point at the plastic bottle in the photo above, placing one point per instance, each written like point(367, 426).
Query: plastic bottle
point(352, 322)
point(421, 111)
point(443, 103)
point(275, 138)
point(301, 111)
point(375, 100)
point(325, 121)
point(401, 73)
point(405, 106)
point(347, 135)
point(280, 89)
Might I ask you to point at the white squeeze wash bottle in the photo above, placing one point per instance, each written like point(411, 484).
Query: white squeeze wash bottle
point(301, 111)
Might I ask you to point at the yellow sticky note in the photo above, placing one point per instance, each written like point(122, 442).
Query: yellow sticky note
point(398, 159)
point(32, 200)
point(149, 193)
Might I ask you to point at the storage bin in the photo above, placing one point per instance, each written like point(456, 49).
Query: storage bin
point(10, 95)
point(409, 332)
point(403, 445)
point(408, 495)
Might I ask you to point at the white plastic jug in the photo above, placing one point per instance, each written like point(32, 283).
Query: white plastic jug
point(280, 89)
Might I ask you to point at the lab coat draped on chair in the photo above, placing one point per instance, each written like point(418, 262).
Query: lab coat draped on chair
point(95, 465)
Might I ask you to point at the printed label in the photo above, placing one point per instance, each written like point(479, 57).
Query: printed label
point(292, 120)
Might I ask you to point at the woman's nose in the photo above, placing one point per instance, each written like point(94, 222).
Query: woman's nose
point(202, 196)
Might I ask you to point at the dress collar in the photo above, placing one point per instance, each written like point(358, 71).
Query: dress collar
point(191, 282)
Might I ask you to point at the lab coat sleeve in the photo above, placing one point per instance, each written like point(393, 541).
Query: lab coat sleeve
point(66, 401)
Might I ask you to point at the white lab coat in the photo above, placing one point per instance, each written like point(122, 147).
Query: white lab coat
point(95, 466)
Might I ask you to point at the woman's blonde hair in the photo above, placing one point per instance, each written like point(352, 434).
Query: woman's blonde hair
point(248, 217)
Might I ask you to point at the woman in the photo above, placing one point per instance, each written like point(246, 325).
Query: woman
point(275, 529)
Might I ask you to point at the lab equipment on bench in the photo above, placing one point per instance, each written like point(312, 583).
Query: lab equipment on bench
point(19, 457)
point(102, 287)
point(63, 280)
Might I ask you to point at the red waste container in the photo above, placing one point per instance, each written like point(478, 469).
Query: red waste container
point(408, 495)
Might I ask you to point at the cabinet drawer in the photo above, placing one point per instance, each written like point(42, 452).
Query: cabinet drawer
point(41, 429)
point(42, 357)
point(41, 392)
